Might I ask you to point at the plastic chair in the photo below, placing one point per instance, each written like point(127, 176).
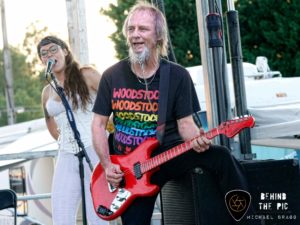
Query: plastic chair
point(8, 199)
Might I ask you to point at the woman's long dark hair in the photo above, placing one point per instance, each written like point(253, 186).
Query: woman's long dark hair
point(74, 84)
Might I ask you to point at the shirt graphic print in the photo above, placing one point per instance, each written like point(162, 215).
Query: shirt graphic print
point(135, 117)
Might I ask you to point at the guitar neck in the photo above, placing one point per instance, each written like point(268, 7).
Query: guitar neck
point(174, 152)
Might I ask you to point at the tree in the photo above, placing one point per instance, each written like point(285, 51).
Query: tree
point(274, 36)
point(28, 81)
point(183, 28)
point(185, 41)
point(271, 28)
point(32, 37)
point(27, 90)
point(117, 13)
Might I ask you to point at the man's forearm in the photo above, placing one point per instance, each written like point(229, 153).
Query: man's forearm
point(101, 146)
point(187, 128)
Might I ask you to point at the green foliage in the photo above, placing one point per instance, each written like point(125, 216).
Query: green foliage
point(32, 37)
point(185, 41)
point(268, 28)
point(117, 13)
point(182, 23)
point(27, 89)
point(27, 79)
point(271, 28)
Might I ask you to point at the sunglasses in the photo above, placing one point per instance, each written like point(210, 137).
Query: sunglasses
point(53, 49)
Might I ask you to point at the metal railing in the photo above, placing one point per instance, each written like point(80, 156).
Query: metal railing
point(26, 156)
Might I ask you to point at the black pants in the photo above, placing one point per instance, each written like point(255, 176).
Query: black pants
point(218, 160)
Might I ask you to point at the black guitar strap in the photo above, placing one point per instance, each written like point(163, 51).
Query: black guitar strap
point(163, 98)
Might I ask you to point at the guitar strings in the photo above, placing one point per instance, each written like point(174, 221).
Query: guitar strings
point(208, 134)
point(130, 171)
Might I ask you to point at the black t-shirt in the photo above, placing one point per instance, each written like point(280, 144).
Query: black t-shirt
point(136, 114)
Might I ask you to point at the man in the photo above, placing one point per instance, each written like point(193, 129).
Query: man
point(130, 90)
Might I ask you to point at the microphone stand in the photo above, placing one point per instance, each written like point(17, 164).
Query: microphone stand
point(81, 153)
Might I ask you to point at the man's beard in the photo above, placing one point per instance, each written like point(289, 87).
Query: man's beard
point(139, 58)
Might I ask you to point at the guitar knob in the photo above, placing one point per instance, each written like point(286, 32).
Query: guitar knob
point(102, 210)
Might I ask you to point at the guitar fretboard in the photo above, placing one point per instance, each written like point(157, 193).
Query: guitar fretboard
point(174, 152)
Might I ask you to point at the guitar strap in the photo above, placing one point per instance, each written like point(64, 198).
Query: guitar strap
point(163, 98)
point(196, 108)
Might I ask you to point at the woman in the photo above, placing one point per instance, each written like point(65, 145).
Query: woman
point(80, 86)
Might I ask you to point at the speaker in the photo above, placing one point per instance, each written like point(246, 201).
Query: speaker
point(176, 199)
point(196, 200)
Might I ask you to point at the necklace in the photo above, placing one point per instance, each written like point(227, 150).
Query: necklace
point(144, 81)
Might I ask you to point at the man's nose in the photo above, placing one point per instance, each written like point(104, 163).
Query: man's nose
point(135, 33)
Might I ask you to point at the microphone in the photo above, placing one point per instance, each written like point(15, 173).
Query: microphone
point(50, 64)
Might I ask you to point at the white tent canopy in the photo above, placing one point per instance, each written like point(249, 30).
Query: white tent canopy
point(26, 140)
point(274, 102)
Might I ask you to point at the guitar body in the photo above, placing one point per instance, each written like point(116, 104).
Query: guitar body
point(109, 204)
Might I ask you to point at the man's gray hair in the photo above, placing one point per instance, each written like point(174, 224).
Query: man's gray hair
point(160, 25)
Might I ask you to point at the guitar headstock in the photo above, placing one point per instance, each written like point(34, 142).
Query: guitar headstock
point(232, 127)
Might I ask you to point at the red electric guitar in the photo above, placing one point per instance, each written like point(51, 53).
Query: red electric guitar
point(110, 202)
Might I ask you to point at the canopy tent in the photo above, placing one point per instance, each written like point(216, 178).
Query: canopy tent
point(24, 141)
point(274, 102)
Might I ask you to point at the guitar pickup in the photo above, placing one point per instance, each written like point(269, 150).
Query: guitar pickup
point(137, 170)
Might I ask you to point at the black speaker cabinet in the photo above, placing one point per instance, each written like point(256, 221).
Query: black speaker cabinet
point(196, 200)
point(275, 191)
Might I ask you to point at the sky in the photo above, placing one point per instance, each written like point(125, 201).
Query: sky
point(53, 14)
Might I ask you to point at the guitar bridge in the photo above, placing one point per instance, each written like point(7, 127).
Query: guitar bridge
point(137, 170)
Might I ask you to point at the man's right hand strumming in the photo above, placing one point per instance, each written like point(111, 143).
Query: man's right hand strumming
point(114, 174)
